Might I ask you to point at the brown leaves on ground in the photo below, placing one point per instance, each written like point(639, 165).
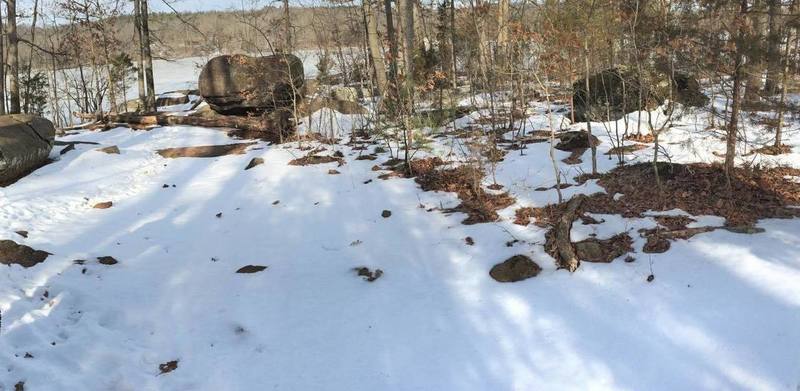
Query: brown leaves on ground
point(480, 206)
point(773, 150)
point(316, 159)
point(12, 253)
point(700, 189)
point(205, 151)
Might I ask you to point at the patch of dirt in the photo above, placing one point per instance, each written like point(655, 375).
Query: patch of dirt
point(368, 275)
point(367, 157)
point(12, 253)
point(516, 268)
point(205, 151)
point(480, 206)
point(604, 251)
point(316, 159)
point(249, 269)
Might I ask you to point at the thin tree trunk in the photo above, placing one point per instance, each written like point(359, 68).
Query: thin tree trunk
point(2, 67)
point(148, 58)
point(287, 27)
point(730, 151)
point(140, 69)
point(13, 57)
point(773, 48)
point(378, 66)
point(587, 71)
point(453, 77)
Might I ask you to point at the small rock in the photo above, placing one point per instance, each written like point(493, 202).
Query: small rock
point(112, 150)
point(650, 278)
point(276, 202)
point(219, 215)
point(107, 260)
point(516, 268)
point(24, 234)
point(469, 241)
point(333, 172)
point(17, 254)
point(256, 161)
point(251, 269)
point(168, 366)
point(368, 275)
point(386, 214)
point(103, 205)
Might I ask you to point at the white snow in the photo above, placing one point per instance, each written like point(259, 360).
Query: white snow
point(723, 311)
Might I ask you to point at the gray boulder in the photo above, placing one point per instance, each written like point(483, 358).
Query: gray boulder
point(239, 84)
point(25, 143)
point(615, 92)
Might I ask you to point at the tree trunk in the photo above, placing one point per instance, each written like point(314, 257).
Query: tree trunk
point(2, 68)
point(773, 48)
point(29, 68)
point(730, 151)
point(754, 67)
point(378, 66)
point(453, 77)
point(13, 57)
point(148, 58)
point(137, 9)
point(587, 71)
point(287, 21)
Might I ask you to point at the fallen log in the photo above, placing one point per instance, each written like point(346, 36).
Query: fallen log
point(566, 256)
point(274, 126)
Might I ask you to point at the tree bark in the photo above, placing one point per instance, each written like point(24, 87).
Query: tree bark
point(730, 151)
point(2, 68)
point(373, 42)
point(137, 9)
point(148, 58)
point(773, 48)
point(13, 57)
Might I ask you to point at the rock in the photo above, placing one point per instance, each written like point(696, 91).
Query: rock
point(12, 253)
point(251, 269)
point(25, 143)
point(575, 140)
point(386, 214)
point(171, 99)
point(24, 234)
point(103, 205)
point(615, 92)
point(239, 84)
point(256, 161)
point(112, 150)
point(168, 366)
point(108, 261)
point(516, 268)
point(603, 251)
point(347, 94)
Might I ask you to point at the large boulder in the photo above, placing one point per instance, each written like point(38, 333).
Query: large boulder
point(615, 92)
point(25, 143)
point(239, 84)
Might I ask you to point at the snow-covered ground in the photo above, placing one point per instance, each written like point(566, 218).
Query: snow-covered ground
point(723, 312)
